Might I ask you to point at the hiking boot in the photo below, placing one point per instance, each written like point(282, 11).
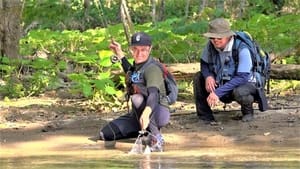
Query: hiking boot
point(247, 118)
point(247, 111)
point(207, 119)
point(157, 143)
point(99, 136)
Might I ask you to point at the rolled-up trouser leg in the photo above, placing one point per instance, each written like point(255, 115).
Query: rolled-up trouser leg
point(200, 95)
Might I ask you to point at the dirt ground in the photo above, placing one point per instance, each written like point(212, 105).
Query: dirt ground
point(49, 121)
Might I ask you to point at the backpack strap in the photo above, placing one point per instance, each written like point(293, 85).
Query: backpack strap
point(163, 67)
point(240, 43)
point(150, 61)
point(246, 39)
point(235, 51)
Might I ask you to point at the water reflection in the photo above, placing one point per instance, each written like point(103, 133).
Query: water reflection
point(140, 162)
point(206, 158)
point(145, 162)
point(154, 162)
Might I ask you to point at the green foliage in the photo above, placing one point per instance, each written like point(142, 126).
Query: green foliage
point(291, 60)
point(260, 6)
point(86, 53)
point(279, 87)
point(83, 56)
point(60, 15)
point(69, 36)
point(26, 78)
point(185, 27)
point(275, 34)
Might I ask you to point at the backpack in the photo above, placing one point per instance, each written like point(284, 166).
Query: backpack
point(261, 65)
point(260, 58)
point(170, 83)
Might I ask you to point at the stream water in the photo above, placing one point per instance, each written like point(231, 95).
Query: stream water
point(192, 157)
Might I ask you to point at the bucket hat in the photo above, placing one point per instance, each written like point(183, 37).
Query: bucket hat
point(140, 39)
point(219, 28)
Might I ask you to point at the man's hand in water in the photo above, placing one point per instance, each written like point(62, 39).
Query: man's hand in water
point(145, 118)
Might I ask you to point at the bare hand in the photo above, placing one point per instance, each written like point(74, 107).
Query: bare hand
point(212, 99)
point(145, 118)
point(116, 48)
point(210, 84)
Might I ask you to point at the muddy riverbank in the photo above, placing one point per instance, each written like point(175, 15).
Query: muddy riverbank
point(51, 136)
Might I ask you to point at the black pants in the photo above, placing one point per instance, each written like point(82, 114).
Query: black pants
point(245, 95)
point(128, 125)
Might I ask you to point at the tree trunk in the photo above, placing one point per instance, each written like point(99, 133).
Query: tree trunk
point(202, 4)
point(126, 20)
point(161, 11)
point(278, 71)
point(220, 5)
point(187, 7)
point(153, 2)
point(241, 9)
point(102, 14)
point(10, 32)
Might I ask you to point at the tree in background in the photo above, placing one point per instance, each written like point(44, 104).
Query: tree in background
point(126, 20)
point(10, 32)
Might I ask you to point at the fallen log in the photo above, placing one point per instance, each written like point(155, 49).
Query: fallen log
point(186, 71)
point(289, 72)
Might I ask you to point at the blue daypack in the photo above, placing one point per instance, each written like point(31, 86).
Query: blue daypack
point(261, 65)
point(170, 84)
point(260, 58)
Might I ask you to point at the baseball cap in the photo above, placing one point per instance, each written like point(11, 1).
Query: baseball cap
point(140, 39)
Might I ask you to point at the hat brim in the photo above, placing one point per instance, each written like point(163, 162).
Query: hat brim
point(140, 44)
point(218, 35)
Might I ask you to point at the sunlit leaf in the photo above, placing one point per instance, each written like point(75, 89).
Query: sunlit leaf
point(105, 62)
point(87, 90)
point(110, 90)
point(99, 84)
point(104, 75)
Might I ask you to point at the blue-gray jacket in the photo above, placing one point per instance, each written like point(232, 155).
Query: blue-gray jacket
point(223, 67)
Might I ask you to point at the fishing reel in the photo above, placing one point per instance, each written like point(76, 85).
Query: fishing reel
point(146, 137)
point(143, 132)
point(114, 59)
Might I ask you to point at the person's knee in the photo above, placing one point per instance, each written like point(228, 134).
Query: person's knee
point(161, 116)
point(197, 79)
point(243, 97)
point(137, 100)
point(163, 121)
point(199, 86)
